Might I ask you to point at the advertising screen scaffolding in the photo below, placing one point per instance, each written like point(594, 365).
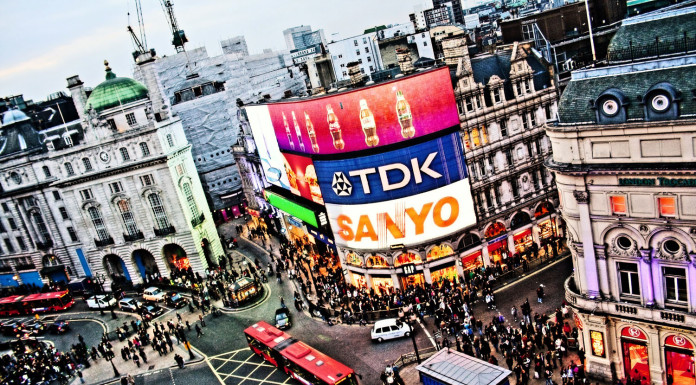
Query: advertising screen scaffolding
point(368, 117)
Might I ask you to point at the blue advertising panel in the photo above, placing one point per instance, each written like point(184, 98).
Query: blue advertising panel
point(393, 174)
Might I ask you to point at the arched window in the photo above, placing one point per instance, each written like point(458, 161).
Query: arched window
point(87, 164)
point(144, 149)
point(470, 240)
point(69, 169)
point(158, 210)
point(125, 156)
point(353, 259)
point(191, 202)
point(46, 171)
point(407, 258)
point(377, 261)
point(124, 208)
point(438, 252)
point(494, 230)
point(98, 222)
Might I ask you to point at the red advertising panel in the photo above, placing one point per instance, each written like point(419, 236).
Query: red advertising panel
point(302, 177)
point(369, 117)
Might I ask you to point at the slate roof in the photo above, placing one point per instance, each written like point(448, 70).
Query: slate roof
point(641, 32)
point(454, 368)
point(574, 105)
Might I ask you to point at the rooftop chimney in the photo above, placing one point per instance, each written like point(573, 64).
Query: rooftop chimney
point(79, 96)
point(356, 77)
point(454, 48)
point(403, 57)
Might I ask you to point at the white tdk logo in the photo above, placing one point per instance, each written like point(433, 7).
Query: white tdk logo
point(342, 186)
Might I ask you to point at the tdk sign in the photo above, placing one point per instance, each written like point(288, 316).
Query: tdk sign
point(394, 174)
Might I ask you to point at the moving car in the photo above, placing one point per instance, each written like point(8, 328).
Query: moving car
point(154, 294)
point(35, 327)
point(388, 329)
point(129, 304)
point(101, 301)
point(282, 318)
point(175, 300)
point(59, 327)
point(11, 327)
point(150, 311)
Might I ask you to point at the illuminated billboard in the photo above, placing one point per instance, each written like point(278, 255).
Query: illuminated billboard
point(393, 174)
point(407, 221)
point(292, 208)
point(302, 177)
point(368, 117)
point(267, 146)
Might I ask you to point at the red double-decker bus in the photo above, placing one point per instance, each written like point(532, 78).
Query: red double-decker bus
point(36, 303)
point(304, 363)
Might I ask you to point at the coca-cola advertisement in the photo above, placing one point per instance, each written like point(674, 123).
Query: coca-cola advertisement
point(302, 177)
point(369, 117)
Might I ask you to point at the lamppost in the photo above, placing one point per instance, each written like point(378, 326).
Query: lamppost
point(110, 357)
point(412, 323)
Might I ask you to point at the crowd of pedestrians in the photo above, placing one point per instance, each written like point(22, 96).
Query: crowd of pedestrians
point(37, 364)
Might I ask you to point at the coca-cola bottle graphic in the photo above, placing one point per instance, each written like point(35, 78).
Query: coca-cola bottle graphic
point(403, 112)
point(312, 134)
point(287, 131)
point(367, 121)
point(298, 132)
point(334, 128)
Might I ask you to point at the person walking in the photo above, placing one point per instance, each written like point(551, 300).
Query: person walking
point(199, 332)
point(180, 360)
point(200, 318)
point(540, 294)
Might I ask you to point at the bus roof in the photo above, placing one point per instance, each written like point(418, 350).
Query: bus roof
point(322, 366)
point(40, 296)
point(11, 299)
point(267, 334)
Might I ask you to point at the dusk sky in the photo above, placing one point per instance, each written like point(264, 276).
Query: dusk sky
point(47, 41)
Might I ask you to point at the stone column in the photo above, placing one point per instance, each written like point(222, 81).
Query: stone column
point(511, 243)
point(485, 256)
point(691, 273)
point(368, 280)
point(426, 274)
point(591, 278)
point(535, 233)
point(646, 276)
point(605, 290)
point(395, 280)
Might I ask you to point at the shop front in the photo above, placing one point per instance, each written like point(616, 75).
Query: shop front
point(634, 349)
point(523, 240)
point(440, 251)
point(472, 261)
point(444, 272)
point(498, 250)
point(679, 360)
point(410, 276)
point(358, 280)
point(548, 229)
point(383, 284)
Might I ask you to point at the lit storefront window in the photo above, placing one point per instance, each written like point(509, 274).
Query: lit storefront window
point(382, 285)
point(359, 280)
point(679, 360)
point(445, 273)
point(438, 252)
point(634, 347)
point(494, 230)
point(353, 259)
point(407, 258)
point(523, 240)
point(376, 261)
point(597, 339)
point(472, 261)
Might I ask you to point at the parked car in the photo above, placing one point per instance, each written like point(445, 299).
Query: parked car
point(150, 311)
point(175, 300)
point(11, 327)
point(35, 327)
point(101, 301)
point(129, 304)
point(388, 329)
point(59, 327)
point(282, 318)
point(154, 294)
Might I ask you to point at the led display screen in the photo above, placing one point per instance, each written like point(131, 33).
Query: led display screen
point(409, 221)
point(369, 117)
point(393, 174)
point(291, 208)
point(267, 146)
point(302, 177)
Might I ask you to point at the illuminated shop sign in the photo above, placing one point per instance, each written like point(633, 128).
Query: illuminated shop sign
point(271, 159)
point(666, 182)
point(393, 174)
point(597, 340)
point(292, 208)
point(302, 177)
point(369, 117)
point(409, 221)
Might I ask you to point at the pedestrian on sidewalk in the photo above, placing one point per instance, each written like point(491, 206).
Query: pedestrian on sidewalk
point(200, 318)
point(179, 361)
point(143, 355)
point(136, 359)
point(188, 325)
point(79, 375)
point(199, 332)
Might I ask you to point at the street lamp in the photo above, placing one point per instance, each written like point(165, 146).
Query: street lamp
point(110, 357)
point(412, 323)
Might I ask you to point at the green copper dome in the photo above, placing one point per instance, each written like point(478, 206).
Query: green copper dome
point(115, 91)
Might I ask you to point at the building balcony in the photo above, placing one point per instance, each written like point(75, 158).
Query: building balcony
point(45, 245)
point(164, 231)
point(134, 237)
point(104, 242)
point(626, 310)
point(197, 221)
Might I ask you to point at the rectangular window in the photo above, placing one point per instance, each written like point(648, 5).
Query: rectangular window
point(115, 187)
point(469, 104)
point(5, 208)
point(508, 157)
point(518, 88)
point(63, 213)
point(22, 245)
point(667, 206)
point(364, 40)
point(170, 140)
point(355, 42)
point(514, 183)
point(535, 179)
point(675, 285)
point(86, 194)
point(180, 170)
point(532, 118)
point(12, 223)
point(527, 86)
point(629, 282)
point(618, 204)
point(2, 227)
point(72, 234)
point(360, 61)
point(8, 246)
point(367, 50)
point(372, 69)
point(357, 52)
point(130, 117)
point(369, 59)
point(547, 109)
point(147, 180)
point(111, 123)
point(496, 96)
point(525, 121)
point(503, 128)
point(482, 167)
point(56, 195)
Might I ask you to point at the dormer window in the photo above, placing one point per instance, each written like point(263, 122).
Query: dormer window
point(611, 107)
point(661, 102)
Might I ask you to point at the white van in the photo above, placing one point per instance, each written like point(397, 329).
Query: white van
point(101, 302)
point(388, 329)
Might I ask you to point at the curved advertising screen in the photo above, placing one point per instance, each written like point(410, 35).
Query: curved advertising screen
point(369, 117)
point(407, 221)
point(393, 174)
point(267, 146)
